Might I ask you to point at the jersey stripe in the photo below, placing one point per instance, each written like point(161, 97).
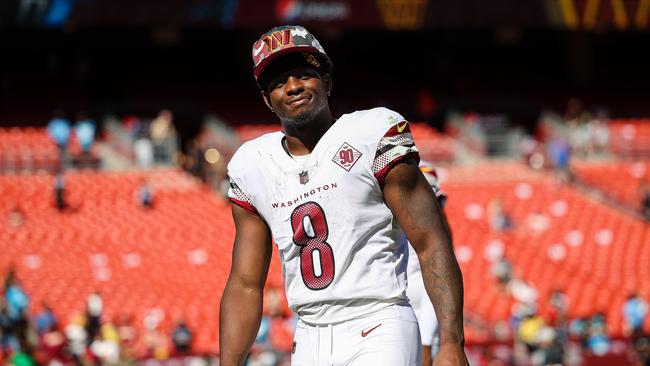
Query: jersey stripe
point(393, 148)
point(241, 199)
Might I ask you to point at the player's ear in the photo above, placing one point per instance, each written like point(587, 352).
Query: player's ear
point(327, 82)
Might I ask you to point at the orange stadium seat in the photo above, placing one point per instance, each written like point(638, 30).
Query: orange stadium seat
point(617, 180)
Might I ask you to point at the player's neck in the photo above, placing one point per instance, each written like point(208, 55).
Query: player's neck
point(301, 140)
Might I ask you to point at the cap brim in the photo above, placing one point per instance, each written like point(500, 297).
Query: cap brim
point(274, 56)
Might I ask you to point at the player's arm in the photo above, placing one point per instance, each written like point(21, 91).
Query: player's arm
point(413, 203)
point(241, 304)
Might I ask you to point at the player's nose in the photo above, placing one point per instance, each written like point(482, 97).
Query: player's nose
point(293, 86)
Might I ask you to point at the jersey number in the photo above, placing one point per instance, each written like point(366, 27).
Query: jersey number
point(310, 232)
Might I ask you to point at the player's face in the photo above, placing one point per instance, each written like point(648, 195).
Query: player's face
point(298, 95)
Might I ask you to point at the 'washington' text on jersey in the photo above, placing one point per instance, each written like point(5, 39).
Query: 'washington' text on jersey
point(304, 196)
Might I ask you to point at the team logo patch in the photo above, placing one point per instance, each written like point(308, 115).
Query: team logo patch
point(346, 156)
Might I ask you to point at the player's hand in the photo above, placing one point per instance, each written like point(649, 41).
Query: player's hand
point(451, 355)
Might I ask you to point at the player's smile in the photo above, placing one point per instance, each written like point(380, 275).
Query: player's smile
point(299, 100)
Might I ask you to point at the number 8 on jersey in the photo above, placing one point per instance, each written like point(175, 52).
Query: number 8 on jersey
point(310, 232)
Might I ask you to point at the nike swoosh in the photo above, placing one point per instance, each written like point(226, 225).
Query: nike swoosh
point(402, 126)
point(366, 332)
point(259, 49)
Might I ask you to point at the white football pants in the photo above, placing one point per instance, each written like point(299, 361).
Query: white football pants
point(388, 337)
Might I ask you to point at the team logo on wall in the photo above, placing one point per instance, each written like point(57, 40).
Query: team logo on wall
point(346, 156)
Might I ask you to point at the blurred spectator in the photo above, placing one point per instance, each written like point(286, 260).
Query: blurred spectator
point(128, 335)
point(642, 348)
point(524, 293)
point(17, 299)
point(635, 310)
point(598, 342)
point(59, 130)
point(77, 337)
point(551, 350)
point(16, 217)
point(145, 195)
point(105, 347)
point(502, 270)
point(163, 137)
point(143, 151)
point(644, 193)
point(45, 319)
point(59, 191)
point(182, 339)
point(559, 305)
point(559, 151)
point(94, 310)
point(155, 344)
point(499, 219)
point(85, 132)
point(529, 329)
point(53, 344)
point(8, 341)
point(600, 132)
point(23, 356)
point(153, 340)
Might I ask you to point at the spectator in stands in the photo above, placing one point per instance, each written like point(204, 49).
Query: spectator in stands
point(598, 342)
point(162, 135)
point(53, 344)
point(94, 310)
point(528, 331)
point(145, 195)
point(155, 344)
point(550, 351)
point(128, 335)
point(644, 193)
point(182, 338)
point(59, 191)
point(23, 356)
point(635, 310)
point(502, 270)
point(559, 151)
point(600, 132)
point(85, 131)
point(642, 348)
point(499, 219)
point(142, 147)
point(59, 130)
point(16, 217)
point(17, 299)
point(77, 337)
point(45, 319)
point(105, 347)
point(8, 341)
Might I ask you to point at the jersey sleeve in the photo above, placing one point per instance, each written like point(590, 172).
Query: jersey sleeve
point(237, 192)
point(395, 145)
point(432, 178)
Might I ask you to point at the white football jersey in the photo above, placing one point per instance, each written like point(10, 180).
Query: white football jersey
point(343, 253)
